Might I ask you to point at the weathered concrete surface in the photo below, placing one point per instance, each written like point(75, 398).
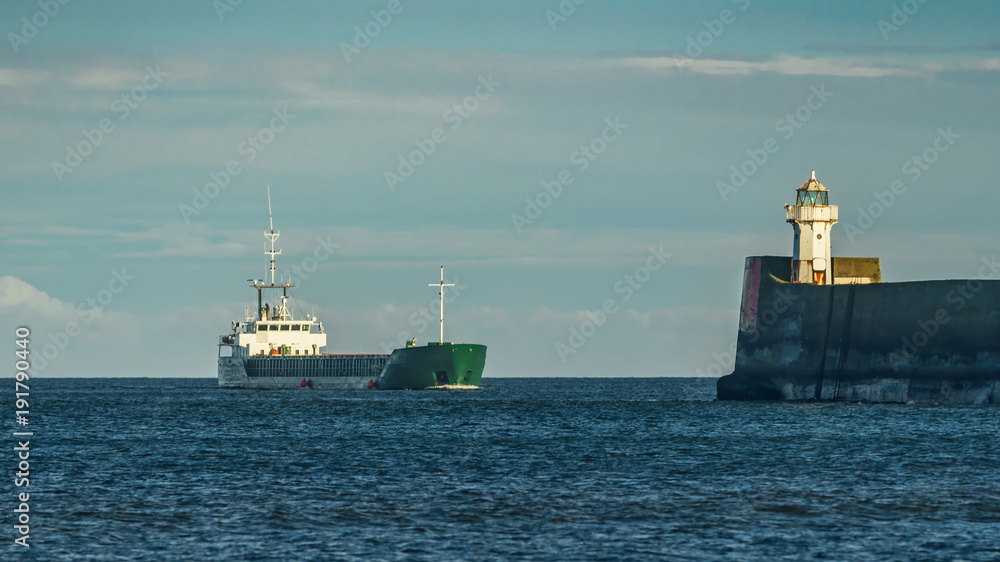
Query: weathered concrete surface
point(884, 342)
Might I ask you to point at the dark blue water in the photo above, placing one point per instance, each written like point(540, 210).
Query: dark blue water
point(545, 469)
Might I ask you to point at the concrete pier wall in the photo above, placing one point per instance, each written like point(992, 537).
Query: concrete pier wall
point(879, 342)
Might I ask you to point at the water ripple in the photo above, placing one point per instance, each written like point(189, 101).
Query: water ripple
point(561, 469)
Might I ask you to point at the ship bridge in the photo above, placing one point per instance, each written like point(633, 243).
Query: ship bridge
point(277, 337)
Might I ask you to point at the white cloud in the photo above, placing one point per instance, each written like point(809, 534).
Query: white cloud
point(53, 230)
point(19, 78)
point(784, 64)
point(66, 340)
point(310, 94)
point(983, 64)
point(111, 77)
point(16, 294)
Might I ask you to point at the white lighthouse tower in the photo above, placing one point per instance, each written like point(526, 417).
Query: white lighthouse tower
point(812, 217)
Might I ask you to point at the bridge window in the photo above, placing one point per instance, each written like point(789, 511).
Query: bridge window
point(284, 327)
point(295, 327)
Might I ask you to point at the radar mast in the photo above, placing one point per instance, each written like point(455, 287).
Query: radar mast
point(267, 312)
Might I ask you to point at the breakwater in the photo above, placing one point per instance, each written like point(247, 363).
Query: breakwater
point(860, 339)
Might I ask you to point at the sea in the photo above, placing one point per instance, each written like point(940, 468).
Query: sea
point(521, 469)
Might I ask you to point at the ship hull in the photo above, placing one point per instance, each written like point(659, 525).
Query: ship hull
point(330, 372)
point(426, 367)
point(434, 366)
point(936, 341)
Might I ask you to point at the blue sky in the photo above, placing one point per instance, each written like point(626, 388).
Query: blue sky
point(198, 85)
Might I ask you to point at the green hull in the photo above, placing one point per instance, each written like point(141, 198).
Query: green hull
point(434, 365)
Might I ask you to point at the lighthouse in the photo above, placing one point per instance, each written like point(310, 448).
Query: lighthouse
point(812, 217)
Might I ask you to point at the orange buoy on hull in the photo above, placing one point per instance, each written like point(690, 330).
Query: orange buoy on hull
point(303, 383)
point(371, 385)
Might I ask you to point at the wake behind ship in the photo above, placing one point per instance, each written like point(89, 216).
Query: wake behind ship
point(271, 349)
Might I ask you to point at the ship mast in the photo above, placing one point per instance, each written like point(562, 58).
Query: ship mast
point(441, 287)
point(282, 311)
point(272, 236)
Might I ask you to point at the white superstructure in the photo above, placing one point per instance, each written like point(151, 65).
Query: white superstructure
point(276, 337)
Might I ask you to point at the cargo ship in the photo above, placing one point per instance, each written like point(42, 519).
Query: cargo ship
point(271, 349)
point(817, 327)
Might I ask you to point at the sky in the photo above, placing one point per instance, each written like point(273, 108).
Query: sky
point(557, 158)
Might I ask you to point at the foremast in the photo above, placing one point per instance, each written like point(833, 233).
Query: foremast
point(441, 285)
